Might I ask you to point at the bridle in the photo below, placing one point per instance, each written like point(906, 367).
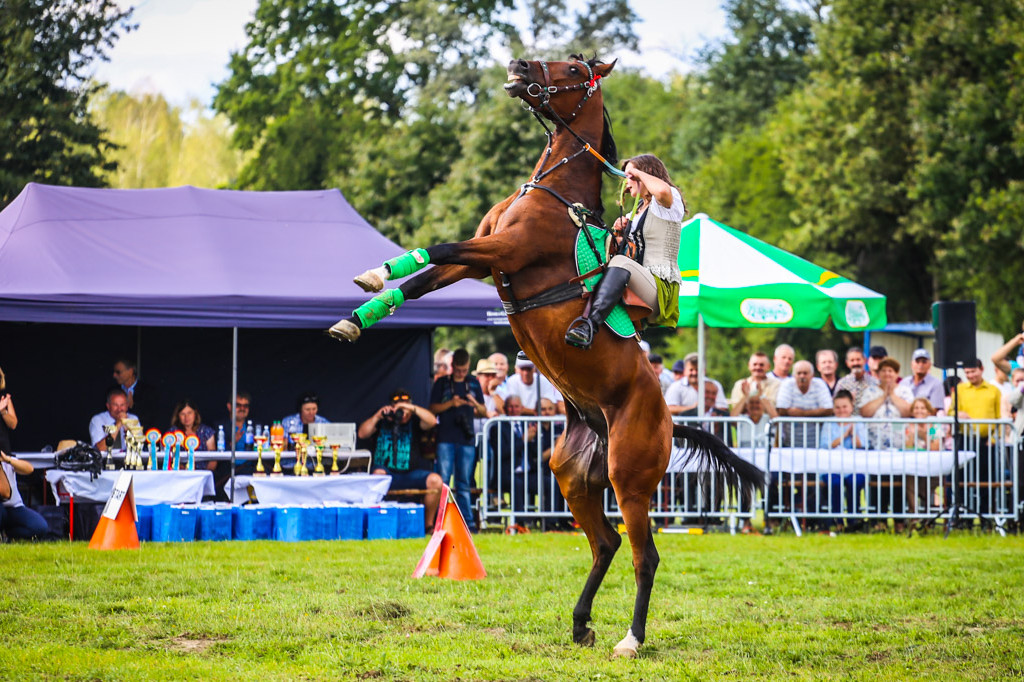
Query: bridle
point(544, 91)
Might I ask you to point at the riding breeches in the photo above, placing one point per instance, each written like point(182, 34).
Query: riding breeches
point(641, 281)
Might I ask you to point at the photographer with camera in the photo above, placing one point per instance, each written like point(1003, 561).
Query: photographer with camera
point(456, 399)
point(398, 427)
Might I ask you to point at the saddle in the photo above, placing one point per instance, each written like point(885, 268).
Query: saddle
point(625, 320)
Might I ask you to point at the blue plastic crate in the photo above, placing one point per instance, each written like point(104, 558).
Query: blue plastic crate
point(382, 523)
point(410, 520)
point(144, 525)
point(351, 523)
point(254, 523)
point(173, 524)
point(327, 523)
point(289, 524)
point(214, 523)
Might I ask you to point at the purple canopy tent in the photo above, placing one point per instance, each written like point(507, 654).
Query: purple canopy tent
point(190, 257)
point(185, 256)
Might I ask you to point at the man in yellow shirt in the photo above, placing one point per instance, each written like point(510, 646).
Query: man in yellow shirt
point(981, 400)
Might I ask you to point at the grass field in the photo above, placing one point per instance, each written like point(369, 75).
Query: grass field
point(744, 607)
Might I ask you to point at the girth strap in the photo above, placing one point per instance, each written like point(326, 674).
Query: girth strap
point(556, 294)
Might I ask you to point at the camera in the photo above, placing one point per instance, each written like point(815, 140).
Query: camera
point(465, 426)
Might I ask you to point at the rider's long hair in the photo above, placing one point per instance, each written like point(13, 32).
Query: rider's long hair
point(649, 163)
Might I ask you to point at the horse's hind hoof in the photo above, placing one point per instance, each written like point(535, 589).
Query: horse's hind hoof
point(343, 330)
point(370, 281)
point(587, 639)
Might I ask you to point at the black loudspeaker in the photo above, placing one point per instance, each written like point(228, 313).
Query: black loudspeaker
point(955, 328)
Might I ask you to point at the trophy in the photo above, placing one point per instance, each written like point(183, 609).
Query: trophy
point(112, 431)
point(261, 440)
point(168, 442)
point(335, 471)
point(191, 443)
point(277, 442)
point(319, 441)
point(153, 436)
point(300, 454)
point(133, 438)
point(179, 438)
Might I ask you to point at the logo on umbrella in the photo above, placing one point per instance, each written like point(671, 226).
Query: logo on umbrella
point(857, 314)
point(766, 310)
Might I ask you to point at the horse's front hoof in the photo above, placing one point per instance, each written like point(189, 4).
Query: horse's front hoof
point(627, 648)
point(587, 639)
point(370, 281)
point(343, 330)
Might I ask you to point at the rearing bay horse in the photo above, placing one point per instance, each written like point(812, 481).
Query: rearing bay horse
point(618, 427)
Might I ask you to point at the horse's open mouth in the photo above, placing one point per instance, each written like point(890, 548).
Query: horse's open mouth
point(515, 86)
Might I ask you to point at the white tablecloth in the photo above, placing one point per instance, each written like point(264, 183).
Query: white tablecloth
point(359, 459)
point(151, 487)
point(825, 461)
point(295, 490)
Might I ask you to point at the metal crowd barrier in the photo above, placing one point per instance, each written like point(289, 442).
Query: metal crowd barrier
point(892, 471)
point(519, 485)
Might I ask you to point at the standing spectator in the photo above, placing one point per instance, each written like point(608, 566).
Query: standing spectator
point(693, 377)
point(921, 382)
point(782, 361)
point(857, 382)
point(826, 361)
point(309, 413)
point(759, 383)
point(500, 390)
point(875, 355)
point(978, 399)
point(115, 415)
point(658, 365)
point(243, 403)
point(187, 419)
point(8, 417)
point(397, 429)
point(531, 386)
point(680, 396)
point(456, 399)
point(488, 378)
point(803, 395)
point(142, 398)
point(442, 363)
point(17, 520)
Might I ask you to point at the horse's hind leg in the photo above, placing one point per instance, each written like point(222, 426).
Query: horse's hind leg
point(604, 542)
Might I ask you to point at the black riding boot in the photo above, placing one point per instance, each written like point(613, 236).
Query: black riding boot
point(609, 292)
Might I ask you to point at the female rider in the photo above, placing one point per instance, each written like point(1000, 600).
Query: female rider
point(648, 259)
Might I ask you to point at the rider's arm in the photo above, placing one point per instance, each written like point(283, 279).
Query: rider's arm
point(660, 190)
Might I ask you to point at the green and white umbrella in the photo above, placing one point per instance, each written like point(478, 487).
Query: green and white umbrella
point(731, 279)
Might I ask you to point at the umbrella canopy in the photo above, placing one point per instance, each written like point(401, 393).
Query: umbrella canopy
point(734, 280)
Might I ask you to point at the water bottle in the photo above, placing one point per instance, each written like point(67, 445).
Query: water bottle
point(266, 433)
point(250, 435)
point(220, 438)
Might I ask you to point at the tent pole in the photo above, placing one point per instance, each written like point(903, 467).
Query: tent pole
point(701, 368)
point(234, 400)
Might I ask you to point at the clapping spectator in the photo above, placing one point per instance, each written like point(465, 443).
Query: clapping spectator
point(843, 436)
point(921, 436)
point(759, 384)
point(186, 418)
point(887, 401)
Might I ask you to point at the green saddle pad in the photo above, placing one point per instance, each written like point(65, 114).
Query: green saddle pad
point(618, 320)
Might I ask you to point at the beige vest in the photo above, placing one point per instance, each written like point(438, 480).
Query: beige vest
point(661, 248)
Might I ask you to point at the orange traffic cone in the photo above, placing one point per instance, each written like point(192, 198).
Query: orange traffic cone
point(118, 531)
point(450, 552)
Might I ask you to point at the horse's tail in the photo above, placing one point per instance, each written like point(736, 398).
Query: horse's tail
point(714, 457)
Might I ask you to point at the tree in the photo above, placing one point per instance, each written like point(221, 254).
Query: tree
point(46, 47)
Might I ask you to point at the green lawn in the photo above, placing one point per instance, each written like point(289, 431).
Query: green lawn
point(863, 607)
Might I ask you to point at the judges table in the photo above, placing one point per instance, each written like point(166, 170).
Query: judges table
point(151, 487)
point(841, 461)
point(346, 458)
point(300, 490)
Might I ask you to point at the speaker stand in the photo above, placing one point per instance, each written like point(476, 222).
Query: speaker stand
point(956, 511)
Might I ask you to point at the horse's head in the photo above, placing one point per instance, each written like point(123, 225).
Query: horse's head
point(557, 90)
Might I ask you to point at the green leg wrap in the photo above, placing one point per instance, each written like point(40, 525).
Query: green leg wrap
point(380, 306)
point(408, 263)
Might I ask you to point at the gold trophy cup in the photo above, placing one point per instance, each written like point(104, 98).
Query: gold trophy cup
point(277, 443)
point(260, 442)
point(319, 442)
point(335, 471)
